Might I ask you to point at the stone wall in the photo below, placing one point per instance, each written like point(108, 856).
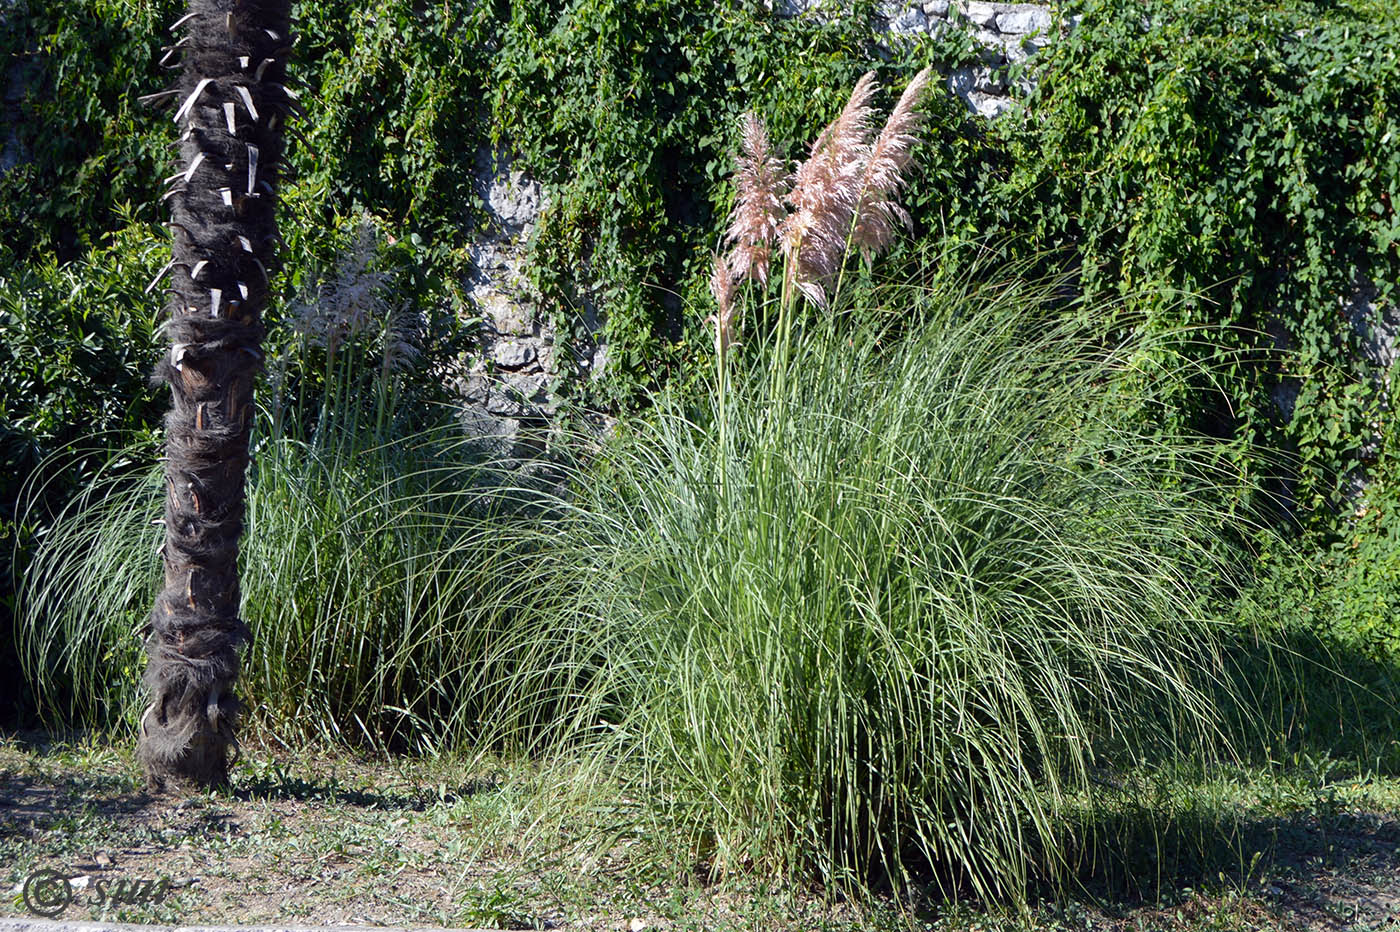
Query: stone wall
point(1008, 33)
point(504, 386)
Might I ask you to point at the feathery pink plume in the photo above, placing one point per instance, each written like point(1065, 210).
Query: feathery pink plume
point(722, 288)
point(826, 190)
point(758, 212)
point(877, 212)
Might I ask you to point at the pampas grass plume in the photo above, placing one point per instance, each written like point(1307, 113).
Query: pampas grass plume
point(877, 211)
point(722, 289)
point(842, 195)
point(762, 182)
point(826, 190)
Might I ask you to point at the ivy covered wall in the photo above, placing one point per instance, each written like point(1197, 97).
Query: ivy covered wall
point(1228, 167)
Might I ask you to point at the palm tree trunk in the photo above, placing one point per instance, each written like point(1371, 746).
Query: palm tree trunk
point(231, 107)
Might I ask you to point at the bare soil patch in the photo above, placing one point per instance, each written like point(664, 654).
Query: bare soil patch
point(340, 840)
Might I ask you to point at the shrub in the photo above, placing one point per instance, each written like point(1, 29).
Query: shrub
point(85, 146)
point(79, 341)
point(79, 344)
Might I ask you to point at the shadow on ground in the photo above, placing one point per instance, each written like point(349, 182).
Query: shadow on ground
point(416, 799)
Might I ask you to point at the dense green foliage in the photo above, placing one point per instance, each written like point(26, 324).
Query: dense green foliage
point(1253, 162)
point(90, 153)
point(76, 356)
point(1210, 183)
point(1245, 156)
point(1239, 154)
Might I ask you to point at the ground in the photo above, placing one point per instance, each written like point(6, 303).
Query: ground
point(330, 838)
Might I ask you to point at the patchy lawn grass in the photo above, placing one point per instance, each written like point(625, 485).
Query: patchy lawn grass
point(321, 838)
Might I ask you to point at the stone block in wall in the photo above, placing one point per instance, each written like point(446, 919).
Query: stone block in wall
point(1016, 50)
point(518, 395)
point(1377, 326)
point(982, 15)
point(992, 46)
point(989, 106)
point(490, 436)
point(982, 88)
point(514, 354)
point(823, 9)
point(912, 21)
point(1023, 20)
point(508, 317)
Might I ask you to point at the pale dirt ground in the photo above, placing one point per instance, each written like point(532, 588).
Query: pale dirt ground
point(340, 840)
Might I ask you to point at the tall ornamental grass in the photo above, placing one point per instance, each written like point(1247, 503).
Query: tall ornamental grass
point(911, 580)
point(376, 577)
point(382, 558)
point(897, 602)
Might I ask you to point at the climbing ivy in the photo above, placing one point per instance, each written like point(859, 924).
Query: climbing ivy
point(1233, 167)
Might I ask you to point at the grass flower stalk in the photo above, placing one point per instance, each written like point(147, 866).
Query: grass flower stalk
point(722, 289)
point(841, 196)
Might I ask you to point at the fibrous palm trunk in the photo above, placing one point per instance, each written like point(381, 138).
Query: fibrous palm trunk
point(231, 106)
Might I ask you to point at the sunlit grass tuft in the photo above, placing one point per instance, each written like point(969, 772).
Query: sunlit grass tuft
point(926, 585)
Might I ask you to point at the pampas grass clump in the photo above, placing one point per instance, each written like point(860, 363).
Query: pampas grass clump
point(908, 585)
point(921, 594)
